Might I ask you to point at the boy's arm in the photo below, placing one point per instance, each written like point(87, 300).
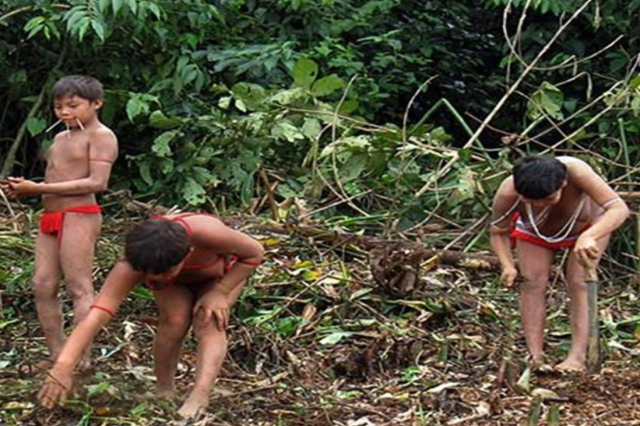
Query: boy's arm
point(616, 210)
point(216, 236)
point(103, 151)
point(615, 213)
point(59, 380)
point(503, 202)
point(225, 240)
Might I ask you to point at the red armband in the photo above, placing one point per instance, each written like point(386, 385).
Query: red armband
point(107, 310)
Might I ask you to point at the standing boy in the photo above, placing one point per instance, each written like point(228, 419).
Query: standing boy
point(197, 268)
point(78, 165)
point(547, 204)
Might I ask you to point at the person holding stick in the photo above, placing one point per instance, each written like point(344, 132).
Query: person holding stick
point(545, 205)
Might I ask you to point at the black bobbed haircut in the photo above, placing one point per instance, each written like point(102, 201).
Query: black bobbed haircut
point(538, 177)
point(156, 245)
point(83, 86)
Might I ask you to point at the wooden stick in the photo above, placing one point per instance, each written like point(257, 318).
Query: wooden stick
point(52, 126)
point(593, 348)
point(629, 195)
point(270, 197)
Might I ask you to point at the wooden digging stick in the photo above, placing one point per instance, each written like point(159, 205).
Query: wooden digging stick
point(593, 348)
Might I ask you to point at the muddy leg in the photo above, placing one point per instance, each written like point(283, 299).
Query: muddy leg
point(535, 266)
point(175, 304)
point(45, 284)
point(212, 349)
point(76, 257)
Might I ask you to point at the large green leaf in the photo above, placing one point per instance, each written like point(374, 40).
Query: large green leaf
point(251, 95)
point(351, 143)
point(193, 192)
point(36, 125)
point(304, 73)
point(161, 144)
point(116, 5)
point(547, 100)
point(286, 130)
point(145, 172)
point(158, 120)
point(98, 28)
point(354, 166)
point(286, 97)
point(311, 128)
point(327, 85)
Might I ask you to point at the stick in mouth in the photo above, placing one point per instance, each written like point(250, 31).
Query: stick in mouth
point(52, 126)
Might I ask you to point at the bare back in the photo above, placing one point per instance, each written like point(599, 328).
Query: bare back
point(215, 247)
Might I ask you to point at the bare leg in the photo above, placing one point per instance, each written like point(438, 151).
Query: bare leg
point(45, 284)
point(76, 257)
point(535, 266)
point(575, 360)
point(175, 304)
point(212, 349)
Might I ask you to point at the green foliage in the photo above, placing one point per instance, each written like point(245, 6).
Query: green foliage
point(555, 7)
point(548, 100)
point(207, 95)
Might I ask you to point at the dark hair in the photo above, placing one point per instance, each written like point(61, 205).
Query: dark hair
point(82, 86)
point(157, 245)
point(538, 177)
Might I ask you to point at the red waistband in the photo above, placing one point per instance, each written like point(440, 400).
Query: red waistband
point(52, 223)
point(517, 234)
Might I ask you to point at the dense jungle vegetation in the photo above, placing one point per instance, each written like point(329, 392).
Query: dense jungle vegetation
point(340, 121)
point(327, 98)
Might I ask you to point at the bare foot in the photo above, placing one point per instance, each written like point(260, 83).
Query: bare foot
point(570, 366)
point(166, 393)
point(195, 405)
point(539, 364)
point(536, 359)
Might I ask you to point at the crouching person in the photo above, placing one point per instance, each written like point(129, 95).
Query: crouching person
point(197, 268)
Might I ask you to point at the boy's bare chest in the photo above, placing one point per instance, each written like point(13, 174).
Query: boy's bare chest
point(572, 204)
point(64, 153)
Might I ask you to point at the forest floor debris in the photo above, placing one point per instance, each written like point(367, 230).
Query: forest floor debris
point(318, 340)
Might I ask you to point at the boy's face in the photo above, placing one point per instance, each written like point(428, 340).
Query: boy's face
point(162, 279)
point(550, 200)
point(70, 109)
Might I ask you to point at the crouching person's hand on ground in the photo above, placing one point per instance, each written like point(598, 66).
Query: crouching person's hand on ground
point(509, 275)
point(57, 386)
point(213, 306)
